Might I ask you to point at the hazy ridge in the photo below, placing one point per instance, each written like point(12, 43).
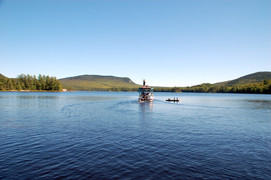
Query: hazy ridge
point(98, 82)
point(250, 78)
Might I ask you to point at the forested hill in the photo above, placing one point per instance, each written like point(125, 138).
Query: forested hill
point(259, 83)
point(251, 78)
point(98, 83)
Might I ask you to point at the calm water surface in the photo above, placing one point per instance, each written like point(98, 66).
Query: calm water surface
point(108, 135)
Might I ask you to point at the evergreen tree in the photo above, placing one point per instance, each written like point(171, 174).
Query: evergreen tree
point(9, 85)
point(18, 85)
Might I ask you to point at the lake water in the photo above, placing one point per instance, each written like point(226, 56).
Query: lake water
point(109, 135)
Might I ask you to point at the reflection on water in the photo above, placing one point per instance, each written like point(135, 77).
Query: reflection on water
point(94, 98)
point(146, 106)
point(37, 97)
point(259, 104)
point(145, 109)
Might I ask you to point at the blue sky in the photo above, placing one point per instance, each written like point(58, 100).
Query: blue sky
point(167, 42)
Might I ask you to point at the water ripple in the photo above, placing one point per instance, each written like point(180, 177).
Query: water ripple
point(83, 137)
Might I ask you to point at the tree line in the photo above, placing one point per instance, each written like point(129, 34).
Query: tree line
point(47, 83)
point(167, 89)
point(255, 88)
point(29, 82)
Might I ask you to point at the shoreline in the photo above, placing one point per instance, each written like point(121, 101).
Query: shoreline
point(30, 91)
point(127, 91)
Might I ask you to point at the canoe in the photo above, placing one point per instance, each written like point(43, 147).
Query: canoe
point(173, 100)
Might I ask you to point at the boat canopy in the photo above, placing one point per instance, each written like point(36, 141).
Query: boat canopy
point(145, 89)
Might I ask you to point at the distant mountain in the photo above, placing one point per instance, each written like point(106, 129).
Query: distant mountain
point(97, 82)
point(113, 83)
point(251, 78)
point(258, 83)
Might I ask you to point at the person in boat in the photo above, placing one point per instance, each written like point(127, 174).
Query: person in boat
point(143, 95)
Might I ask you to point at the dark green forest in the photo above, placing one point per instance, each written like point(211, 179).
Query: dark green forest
point(255, 88)
point(263, 87)
point(258, 83)
point(29, 82)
